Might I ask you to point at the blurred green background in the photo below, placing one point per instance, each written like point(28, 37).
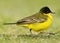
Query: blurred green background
point(14, 10)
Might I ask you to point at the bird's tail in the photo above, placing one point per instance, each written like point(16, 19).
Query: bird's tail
point(9, 23)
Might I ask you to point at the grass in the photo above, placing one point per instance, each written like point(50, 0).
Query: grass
point(29, 39)
point(14, 10)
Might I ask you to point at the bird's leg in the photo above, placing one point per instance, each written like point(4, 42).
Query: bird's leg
point(30, 31)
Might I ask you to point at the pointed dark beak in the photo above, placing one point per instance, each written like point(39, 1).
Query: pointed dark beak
point(53, 12)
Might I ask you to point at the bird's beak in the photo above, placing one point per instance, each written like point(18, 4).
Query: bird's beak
point(53, 12)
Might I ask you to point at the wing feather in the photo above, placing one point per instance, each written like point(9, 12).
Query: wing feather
point(32, 19)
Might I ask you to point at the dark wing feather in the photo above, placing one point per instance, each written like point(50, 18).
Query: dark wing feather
point(26, 20)
point(32, 19)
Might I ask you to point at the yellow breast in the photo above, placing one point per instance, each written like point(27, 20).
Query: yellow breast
point(40, 26)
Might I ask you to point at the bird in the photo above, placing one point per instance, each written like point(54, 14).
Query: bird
point(39, 21)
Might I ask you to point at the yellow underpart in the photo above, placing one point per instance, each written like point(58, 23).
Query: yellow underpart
point(40, 26)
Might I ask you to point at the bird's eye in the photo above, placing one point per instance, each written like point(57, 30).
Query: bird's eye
point(47, 11)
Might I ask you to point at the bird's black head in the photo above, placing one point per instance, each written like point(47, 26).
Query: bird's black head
point(45, 10)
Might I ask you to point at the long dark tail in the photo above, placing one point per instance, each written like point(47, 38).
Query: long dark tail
point(9, 23)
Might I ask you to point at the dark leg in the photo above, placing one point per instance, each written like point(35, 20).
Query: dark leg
point(30, 31)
